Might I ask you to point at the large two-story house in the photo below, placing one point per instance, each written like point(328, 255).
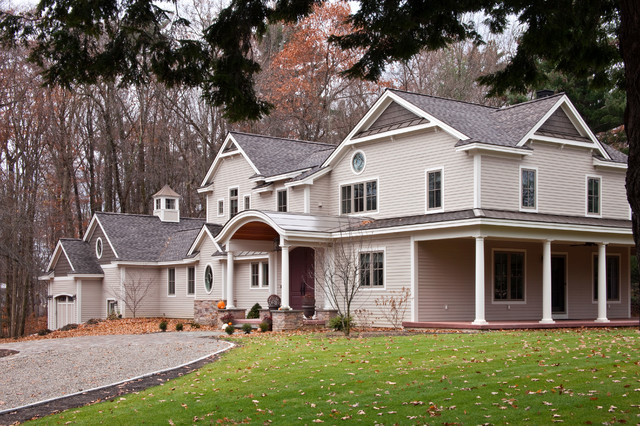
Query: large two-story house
point(484, 214)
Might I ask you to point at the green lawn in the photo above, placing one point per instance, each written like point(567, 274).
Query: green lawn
point(575, 377)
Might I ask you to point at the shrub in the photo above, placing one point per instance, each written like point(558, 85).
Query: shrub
point(179, 326)
point(254, 312)
point(163, 325)
point(93, 321)
point(194, 324)
point(44, 332)
point(227, 318)
point(113, 316)
point(246, 328)
point(229, 330)
point(69, 327)
point(339, 322)
point(264, 327)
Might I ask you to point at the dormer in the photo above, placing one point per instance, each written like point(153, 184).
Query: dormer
point(166, 205)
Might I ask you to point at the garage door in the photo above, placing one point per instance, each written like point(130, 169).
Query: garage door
point(65, 311)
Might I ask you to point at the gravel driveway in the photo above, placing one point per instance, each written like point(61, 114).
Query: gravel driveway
point(51, 368)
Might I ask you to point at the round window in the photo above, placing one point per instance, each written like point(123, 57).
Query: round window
point(208, 279)
point(99, 248)
point(357, 162)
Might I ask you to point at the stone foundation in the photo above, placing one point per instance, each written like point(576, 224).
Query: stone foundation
point(287, 320)
point(205, 312)
point(264, 313)
point(326, 315)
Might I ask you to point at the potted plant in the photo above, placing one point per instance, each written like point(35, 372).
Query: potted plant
point(274, 302)
point(308, 305)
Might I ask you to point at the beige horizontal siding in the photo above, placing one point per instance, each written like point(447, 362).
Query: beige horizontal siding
point(92, 303)
point(232, 171)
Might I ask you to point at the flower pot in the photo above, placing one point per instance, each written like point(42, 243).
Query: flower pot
point(309, 309)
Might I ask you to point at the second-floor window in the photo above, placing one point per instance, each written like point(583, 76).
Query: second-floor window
point(247, 202)
point(171, 290)
point(434, 189)
point(233, 202)
point(359, 197)
point(282, 200)
point(220, 207)
point(593, 195)
point(528, 189)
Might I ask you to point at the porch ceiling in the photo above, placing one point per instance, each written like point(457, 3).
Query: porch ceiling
point(256, 231)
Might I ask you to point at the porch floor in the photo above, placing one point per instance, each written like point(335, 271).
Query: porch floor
point(520, 325)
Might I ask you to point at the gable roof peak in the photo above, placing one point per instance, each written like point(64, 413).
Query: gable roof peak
point(406, 92)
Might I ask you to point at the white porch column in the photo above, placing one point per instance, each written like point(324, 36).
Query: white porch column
point(602, 283)
point(479, 282)
point(546, 283)
point(272, 272)
point(230, 304)
point(328, 275)
point(285, 275)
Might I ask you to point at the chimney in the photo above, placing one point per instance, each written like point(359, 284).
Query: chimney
point(544, 93)
point(166, 204)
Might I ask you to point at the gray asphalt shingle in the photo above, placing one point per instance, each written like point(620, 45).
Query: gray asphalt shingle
point(81, 255)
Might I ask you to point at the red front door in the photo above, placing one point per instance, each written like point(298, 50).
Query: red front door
point(301, 275)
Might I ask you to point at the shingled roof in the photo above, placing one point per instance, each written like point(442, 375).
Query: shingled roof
point(145, 238)
point(275, 156)
point(81, 256)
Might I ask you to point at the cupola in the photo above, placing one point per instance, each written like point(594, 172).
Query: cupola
point(166, 204)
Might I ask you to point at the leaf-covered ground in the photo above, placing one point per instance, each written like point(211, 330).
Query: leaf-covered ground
point(534, 377)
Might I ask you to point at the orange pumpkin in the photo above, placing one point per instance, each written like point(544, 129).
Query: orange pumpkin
point(221, 304)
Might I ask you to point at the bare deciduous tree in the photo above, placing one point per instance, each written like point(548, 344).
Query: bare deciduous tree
point(133, 292)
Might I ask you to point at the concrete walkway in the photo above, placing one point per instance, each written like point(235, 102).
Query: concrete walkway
point(52, 368)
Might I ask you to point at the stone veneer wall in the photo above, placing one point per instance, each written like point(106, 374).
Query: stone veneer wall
point(287, 320)
point(205, 312)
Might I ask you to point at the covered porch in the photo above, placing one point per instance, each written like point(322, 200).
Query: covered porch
point(519, 325)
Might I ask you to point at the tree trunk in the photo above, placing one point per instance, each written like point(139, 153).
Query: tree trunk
point(630, 50)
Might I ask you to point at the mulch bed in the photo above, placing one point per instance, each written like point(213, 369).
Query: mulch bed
point(104, 394)
point(7, 352)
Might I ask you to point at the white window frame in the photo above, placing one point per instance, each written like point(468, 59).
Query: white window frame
point(261, 277)
point(169, 281)
point(351, 162)
point(195, 274)
point(220, 200)
point(353, 182)
point(158, 203)
point(586, 196)
point(204, 275)
point(117, 310)
point(279, 190)
point(99, 253)
point(493, 278)
point(593, 282)
point(244, 202)
point(536, 190)
point(426, 190)
point(384, 268)
point(170, 200)
point(237, 198)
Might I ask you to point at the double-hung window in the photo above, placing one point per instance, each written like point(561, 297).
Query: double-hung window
point(247, 202)
point(191, 281)
point(508, 276)
point(282, 200)
point(171, 290)
point(594, 197)
point(220, 207)
point(613, 278)
point(372, 269)
point(434, 189)
point(259, 275)
point(527, 188)
point(359, 197)
point(233, 202)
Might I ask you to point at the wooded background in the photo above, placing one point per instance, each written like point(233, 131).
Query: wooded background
point(67, 153)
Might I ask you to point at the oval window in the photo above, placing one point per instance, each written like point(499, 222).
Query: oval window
point(357, 162)
point(208, 279)
point(99, 248)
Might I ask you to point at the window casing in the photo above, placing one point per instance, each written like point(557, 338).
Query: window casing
point(282, 200)
point(371, 269)
point(221, 207)
point(434, 189)
point(613, 278)
point(171, 285)
point(247, 202)
point(359, 197)
point(508, 276)
point(528, 189)
point(233, 202)
point(191, 281)
point(208, 279)
point(259, 275)
point(594, 195)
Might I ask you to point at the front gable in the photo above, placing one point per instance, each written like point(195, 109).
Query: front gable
point(94, 231)
point(229, 148)
point(60, 262)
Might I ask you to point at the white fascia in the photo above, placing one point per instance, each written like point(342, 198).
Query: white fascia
point(285, 176)
point(309, 179)
point(574, 116)
point(89, 232)
point(483, 148)
point(221, 154)
point(196, 243)
point(609, 164)
point(205, 189)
